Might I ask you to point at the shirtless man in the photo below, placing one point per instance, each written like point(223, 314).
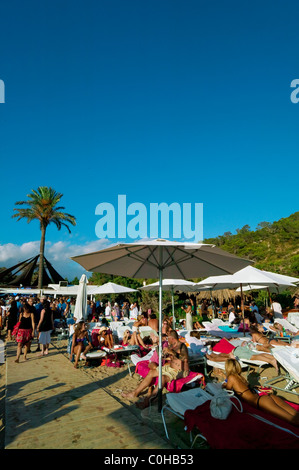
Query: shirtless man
point(153, 322)
point(176, 366)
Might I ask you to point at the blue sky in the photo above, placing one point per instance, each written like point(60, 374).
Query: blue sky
point(162, 100)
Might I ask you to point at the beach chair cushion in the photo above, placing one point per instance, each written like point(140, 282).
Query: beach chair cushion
point(247, 430)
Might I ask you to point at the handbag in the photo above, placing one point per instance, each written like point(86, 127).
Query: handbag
point(221, 405)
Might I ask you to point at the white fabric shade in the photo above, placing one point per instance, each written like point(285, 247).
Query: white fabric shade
point(80, 311)
point(246, 277)
point(173, 285)
point(110, 288)
point(178, 260)
point(176, 285)
point(158, 259)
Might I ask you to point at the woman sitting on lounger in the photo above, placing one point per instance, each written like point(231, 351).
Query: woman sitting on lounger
point(134, 339)
point(80, 343)
point(270, 403)
point(105, 338)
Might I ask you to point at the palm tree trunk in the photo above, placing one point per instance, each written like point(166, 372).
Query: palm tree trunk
point(41, 257)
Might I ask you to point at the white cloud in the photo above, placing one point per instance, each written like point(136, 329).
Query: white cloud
point(58, 254)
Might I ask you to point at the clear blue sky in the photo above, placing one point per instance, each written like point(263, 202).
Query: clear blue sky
point(161, 100)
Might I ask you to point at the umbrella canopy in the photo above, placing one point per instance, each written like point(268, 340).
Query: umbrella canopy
point(176, 259)
point(110, 288)
point(246, 277)
point(176, 285)
point(158, 258)
point(282, 277)
point(81, 300)
point(173, 285)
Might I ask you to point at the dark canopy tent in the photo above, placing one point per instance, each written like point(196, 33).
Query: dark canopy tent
point(22, 273)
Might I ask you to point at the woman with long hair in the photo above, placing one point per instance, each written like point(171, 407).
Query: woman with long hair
point(25, 332)
point(270, 403)
point(80, 344)
point(12, 316)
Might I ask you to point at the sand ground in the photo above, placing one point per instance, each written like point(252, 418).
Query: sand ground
point(115, 386)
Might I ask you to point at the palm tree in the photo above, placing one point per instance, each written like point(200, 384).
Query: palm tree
point(42, 206)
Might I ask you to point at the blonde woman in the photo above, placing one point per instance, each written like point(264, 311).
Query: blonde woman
point(270, 403)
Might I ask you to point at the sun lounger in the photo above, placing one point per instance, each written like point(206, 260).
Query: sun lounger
point(288, 358)
point(287, 325)
point(251, 429)
point(120, 331)
point(245, 363)
point(177, 405)
point(293, 317)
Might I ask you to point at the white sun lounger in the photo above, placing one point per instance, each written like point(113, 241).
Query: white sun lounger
point(178, 404)
point(287, 325)
point(288, 358)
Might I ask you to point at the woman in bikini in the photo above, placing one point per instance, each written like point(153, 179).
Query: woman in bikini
point(80, 344)
point(262, 342)
point(270, 403)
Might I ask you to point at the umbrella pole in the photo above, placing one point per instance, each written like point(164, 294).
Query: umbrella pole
point(160, 334)
point(242, 307)
point(173, 316)
point(213, 308)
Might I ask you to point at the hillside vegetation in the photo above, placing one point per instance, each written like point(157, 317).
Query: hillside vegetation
point(272, 246)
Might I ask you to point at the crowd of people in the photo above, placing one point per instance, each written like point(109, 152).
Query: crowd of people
point(28, 318)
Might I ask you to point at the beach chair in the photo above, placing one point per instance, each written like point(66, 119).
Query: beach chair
point(287, 325)
point(189, 400)
point(244, 363)
point(288, 358)
point(177, 405)
point(120, 331)
point(249, 429)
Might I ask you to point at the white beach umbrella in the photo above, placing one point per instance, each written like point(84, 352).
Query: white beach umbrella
point(110, 288)
point(283, 277)
point(159, 258)
point(172, 285)
point(245, 279)
point(80, 311)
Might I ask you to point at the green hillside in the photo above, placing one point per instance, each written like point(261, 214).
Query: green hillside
point(272, 246)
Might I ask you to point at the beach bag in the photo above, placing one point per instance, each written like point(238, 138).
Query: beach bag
point(221, 405)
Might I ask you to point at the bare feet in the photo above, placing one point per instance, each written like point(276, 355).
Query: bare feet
point(129, 396)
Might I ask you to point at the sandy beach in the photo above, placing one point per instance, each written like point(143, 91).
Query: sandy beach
point(115, 381)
